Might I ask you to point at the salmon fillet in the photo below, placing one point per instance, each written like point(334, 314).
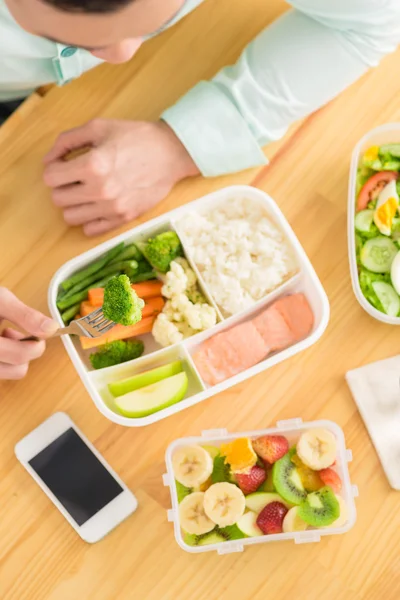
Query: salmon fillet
point(297, 313)
point(230, 352)
point(274, 329)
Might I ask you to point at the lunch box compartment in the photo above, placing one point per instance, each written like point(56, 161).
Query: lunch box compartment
point(292, 430)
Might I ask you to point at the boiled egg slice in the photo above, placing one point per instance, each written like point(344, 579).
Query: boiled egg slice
point(386, 208)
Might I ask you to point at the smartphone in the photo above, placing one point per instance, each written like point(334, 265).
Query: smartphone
point(75, 477)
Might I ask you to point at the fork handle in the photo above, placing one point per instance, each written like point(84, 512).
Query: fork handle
point(61, 331)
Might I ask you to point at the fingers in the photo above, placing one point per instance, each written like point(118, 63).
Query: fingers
point(85, 213)
point(102, 226)
point(32, 321)
point(83, 168)
point(86, 135)
point(82, 193)
point(15, 352)
point(11, 372)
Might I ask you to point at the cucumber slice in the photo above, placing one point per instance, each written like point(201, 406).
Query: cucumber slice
point(363, 220)
point(393, 149)
point(377, 254)
point(387, 297)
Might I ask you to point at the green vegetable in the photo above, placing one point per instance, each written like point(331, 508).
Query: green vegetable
point(143, 277)
point(390, 149)
point(127, 266)
point(366, 279)
point(391, 165)
point(130, 252)
point(388, 298)
point(162, 250)
point(363, 221)
point(66, 301)
point(121, 303)
point(377, 254)
point(70, 313)
point(375, 165)
point(396, 229)
point(92, 268)
point(363, 174)
point(116, 353)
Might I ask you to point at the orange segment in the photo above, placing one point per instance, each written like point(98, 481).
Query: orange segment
point(239, 454)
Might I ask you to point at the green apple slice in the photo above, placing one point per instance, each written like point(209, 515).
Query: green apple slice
point(248, 525)
point(152, 398)
point(259, 500)
point(213, 451)
point(119, 388)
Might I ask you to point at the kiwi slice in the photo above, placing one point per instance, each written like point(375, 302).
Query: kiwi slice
point(221, 471)
point(214, 537)
point(321, 508)
point(286, 479)
point(182, 491)
point(232, 532)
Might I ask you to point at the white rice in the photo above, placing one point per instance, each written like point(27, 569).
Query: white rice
point(239, 251)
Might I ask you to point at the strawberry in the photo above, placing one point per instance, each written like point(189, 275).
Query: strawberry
point(331, 478)
point(250, 482)
point(271, 447)
point(271, 517)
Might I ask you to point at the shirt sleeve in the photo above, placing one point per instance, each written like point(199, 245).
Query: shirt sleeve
point(295, 66)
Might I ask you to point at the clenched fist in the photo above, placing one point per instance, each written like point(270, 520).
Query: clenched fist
point(129, 168)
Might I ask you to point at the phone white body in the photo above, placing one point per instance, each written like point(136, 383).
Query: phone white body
point(75, 477)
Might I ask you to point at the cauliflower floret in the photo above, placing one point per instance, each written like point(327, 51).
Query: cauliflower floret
point(185, 329)
point(165, 332)
point(190, 274)
point(200, 316)
point(175, 281)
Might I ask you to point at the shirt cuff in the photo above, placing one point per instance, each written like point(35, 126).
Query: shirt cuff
point(213, 131)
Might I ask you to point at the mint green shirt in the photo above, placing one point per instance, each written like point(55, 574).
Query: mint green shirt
point(296, 65)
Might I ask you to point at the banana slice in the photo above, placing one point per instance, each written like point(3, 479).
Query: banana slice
point(224, 503)
point(192, 517)
point(317, 448)
point(192, 465)
point(344, 514)
point(292, 521)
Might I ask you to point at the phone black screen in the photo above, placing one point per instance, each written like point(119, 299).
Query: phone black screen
point(75, 476)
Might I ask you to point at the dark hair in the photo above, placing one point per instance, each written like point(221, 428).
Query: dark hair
point(89, 6)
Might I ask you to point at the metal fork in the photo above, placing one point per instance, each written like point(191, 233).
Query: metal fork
point(92, 326)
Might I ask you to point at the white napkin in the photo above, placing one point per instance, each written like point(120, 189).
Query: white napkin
point(376, 391)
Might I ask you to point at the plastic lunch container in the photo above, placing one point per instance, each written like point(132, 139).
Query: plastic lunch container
point(291, 429)
point(305, 280)
point(384, 134)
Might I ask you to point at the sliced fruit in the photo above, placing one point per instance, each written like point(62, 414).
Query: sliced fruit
point(373, 186)
point(213, 451)
point(221, 471)
point(224, 503)
point(344, 514)
point(204, 486)
point(331, 478)
point(270, 519)
point(320, 508)
point(309, 478)
point(317, 448)
point(211, 538)
point(250, 482)
point(182, 491)
point(271, 447)
point(268, 485)
point(189, 538)
point(239, 454)
point(152, 398)
point(287, 480)
point(119, 388)
point(192, 516)
point(192, 465)
point(292, 521)
point(259, 500)
point(247, 524)
point(232, 532)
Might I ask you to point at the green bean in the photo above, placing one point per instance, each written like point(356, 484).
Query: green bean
point(128, 253)
point(93, 267)
point(127, 266)
point(70, 313)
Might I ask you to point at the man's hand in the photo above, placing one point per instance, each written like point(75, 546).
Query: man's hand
point(129, 168)
point(15, 355)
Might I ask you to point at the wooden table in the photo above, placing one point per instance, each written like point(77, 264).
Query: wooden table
point(41, 558)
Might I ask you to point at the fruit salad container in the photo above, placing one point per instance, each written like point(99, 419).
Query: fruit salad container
point(302, 285)
point(271, 494)
point(384, 134)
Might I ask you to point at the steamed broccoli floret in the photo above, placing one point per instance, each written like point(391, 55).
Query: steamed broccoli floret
point(116, 353)
point(121, 304)
point(162, 250)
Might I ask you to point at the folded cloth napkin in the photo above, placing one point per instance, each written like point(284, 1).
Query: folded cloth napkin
point(376, 391)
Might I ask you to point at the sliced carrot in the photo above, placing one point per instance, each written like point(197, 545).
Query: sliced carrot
point(77, 316)
point(153, 306)
point(86, 308)
point(145, 289)
point(119, 332)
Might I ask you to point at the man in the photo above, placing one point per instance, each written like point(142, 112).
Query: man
point(292, 68)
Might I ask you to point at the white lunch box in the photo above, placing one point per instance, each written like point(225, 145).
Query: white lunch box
point(384, 134)
point(305, 280)
point(291, 429)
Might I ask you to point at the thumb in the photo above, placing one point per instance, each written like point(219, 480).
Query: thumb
point(79, 138)
point(25, 317)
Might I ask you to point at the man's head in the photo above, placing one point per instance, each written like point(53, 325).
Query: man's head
point(110, 29)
